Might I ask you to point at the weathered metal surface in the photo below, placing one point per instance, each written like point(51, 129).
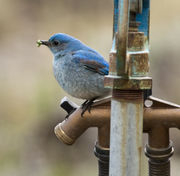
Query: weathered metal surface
point(138, 64)
point(125, 95)
point(135, 41)
point(112, 63)
point(122, 36)
point(135, 7)
point(135, 63)
point(132, 83)
point(126, 134)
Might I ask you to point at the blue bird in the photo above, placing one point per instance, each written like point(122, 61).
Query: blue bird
point(78, 69)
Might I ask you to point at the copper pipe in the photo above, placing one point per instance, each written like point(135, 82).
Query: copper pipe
point(104, 136)
point(158, 137)
point(155, 121)
point(168, 117)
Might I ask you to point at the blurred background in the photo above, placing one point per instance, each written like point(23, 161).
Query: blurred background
point(30, 96)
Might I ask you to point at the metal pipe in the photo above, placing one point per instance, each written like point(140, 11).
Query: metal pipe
point(159, 150)
point(126, 133)
point(168, 117)
point(127, 97)
point(158, 118)
point(121, 38)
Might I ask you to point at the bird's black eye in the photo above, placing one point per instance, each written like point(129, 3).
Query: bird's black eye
point(55, 43)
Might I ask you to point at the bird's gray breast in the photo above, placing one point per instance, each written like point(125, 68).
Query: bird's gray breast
point(76, 80)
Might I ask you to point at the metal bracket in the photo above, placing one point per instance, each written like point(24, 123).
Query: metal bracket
point(158, 103)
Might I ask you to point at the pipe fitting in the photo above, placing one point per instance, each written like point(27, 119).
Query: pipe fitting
point(103, 159)
point(159, 160)
point(75, 125)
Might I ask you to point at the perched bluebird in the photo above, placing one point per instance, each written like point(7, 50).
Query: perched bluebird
point(78, 69)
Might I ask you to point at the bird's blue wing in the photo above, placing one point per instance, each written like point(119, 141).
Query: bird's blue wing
point(92, 61)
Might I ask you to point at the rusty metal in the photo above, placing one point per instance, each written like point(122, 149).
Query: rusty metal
point(128, 76)
point(121, 37)
point(135, 7)
point(129, 66)
point(136, 68)
point(136, 41)
point(129, 62)
point(138, 65)
point(125, 95)
point(134, 83)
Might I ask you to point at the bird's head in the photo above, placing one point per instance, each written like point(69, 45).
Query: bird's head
point(61, 43)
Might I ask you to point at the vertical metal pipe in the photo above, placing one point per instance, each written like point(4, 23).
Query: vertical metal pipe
point(126, 103)
point(159, 150)
point(120, 33)
point(122, 36)
point(126, 133)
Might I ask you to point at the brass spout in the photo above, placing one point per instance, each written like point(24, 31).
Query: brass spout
point(75, 125)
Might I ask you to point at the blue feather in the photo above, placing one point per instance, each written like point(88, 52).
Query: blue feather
point(92, 61)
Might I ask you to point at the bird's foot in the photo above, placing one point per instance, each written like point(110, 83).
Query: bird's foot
point(84, 103)
point(87, 106)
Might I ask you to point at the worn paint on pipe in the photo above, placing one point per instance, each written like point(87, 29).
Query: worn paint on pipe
point(126, 137)
point(122, 36)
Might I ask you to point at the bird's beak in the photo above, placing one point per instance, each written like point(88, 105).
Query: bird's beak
point(42, 42)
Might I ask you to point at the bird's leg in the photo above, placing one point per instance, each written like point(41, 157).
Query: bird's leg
point(87, 106)
point(84, 103)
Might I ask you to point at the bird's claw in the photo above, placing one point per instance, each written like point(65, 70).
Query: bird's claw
point(86, 106)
